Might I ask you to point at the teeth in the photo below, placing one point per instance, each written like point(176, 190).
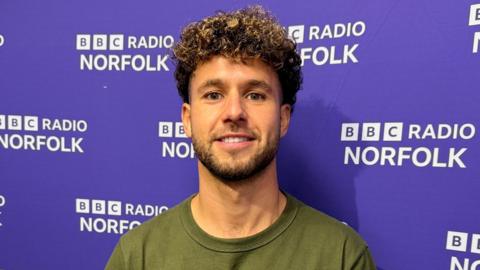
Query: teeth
point(234, 139)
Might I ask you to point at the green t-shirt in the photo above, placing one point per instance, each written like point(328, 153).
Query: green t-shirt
point(301, 238)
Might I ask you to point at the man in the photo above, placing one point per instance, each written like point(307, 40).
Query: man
point(238, 74)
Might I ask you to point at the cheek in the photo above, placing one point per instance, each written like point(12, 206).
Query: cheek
point(201, 122)
point(271, 124)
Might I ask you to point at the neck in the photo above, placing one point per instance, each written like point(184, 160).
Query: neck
point(238, 209)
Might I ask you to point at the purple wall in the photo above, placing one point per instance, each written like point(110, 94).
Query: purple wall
point(384, 135)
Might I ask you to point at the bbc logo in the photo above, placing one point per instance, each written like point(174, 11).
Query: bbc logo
point(100, 42)
point(98, 207)
point(296, 33)
point(18, 122)
point(458, 241)
point(371, 132)
point(166, 130)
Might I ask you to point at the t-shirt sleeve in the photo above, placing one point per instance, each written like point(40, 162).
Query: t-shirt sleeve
point(117, 260)
point(364, 261)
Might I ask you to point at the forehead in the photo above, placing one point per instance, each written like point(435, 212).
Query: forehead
point(232, 71)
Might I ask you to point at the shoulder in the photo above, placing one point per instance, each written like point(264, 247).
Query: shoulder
point(326, 229)
point(331, 238)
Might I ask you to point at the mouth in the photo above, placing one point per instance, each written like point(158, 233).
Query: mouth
point(235, 138)
point(235, 141)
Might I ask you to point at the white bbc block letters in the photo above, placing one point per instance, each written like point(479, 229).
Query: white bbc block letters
point(457, 241)
point(100, 42)
point(115, 42)
point(296, 33)
point(114, 208)
point(30, 123)
point(15, 122)
point(82, 206)
point(98, 207)
point(350, 132)
point(179, 131)
point(474, 18)
point(475, 248)
point(392, 132)
point(83, 42)
point(371, 132)
point(165, 129)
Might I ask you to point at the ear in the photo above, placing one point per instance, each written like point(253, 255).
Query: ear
point(186, 119)
point(285, 114)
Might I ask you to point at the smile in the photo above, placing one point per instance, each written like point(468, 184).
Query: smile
point(234, 139)
point(235, 142)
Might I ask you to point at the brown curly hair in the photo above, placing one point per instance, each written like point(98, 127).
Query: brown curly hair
point(249, 33)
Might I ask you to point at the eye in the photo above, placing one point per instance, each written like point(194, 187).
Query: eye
point(212, 96)
point(255, 96)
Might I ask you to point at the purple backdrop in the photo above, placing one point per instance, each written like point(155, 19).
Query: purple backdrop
point(383, 135)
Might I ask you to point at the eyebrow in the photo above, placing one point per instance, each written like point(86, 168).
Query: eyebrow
point(258, 84)
point(249, 84)
point(212, 83)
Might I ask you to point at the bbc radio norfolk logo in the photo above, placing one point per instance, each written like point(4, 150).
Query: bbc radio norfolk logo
point(364, 141)
point(463, 245)
point(175, 143)
point(113, 217)
point(119, 52)
point(34, 133)
point(312, 42)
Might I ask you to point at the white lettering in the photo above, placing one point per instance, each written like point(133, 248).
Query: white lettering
point(338, 30)
point(123, 62)
point(181, 150)
point(455, 264)
point(64, 125)
point(150, 42)
point(442, 131)
point(476, 42)
point(420, 157)
point(329, 55)
point(38, 142)
point(100, 225)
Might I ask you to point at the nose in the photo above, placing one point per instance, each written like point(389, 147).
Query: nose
point(234, 110)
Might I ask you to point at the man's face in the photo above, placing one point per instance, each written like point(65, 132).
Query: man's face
point(235, 117)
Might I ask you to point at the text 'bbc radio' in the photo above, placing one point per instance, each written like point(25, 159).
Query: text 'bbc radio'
point(390, 133)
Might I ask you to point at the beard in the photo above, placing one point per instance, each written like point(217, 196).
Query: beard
point(235, 171)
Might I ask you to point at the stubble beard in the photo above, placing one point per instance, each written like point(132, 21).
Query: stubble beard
point(236, 171)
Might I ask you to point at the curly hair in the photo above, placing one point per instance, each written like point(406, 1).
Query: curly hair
point(249, 33)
